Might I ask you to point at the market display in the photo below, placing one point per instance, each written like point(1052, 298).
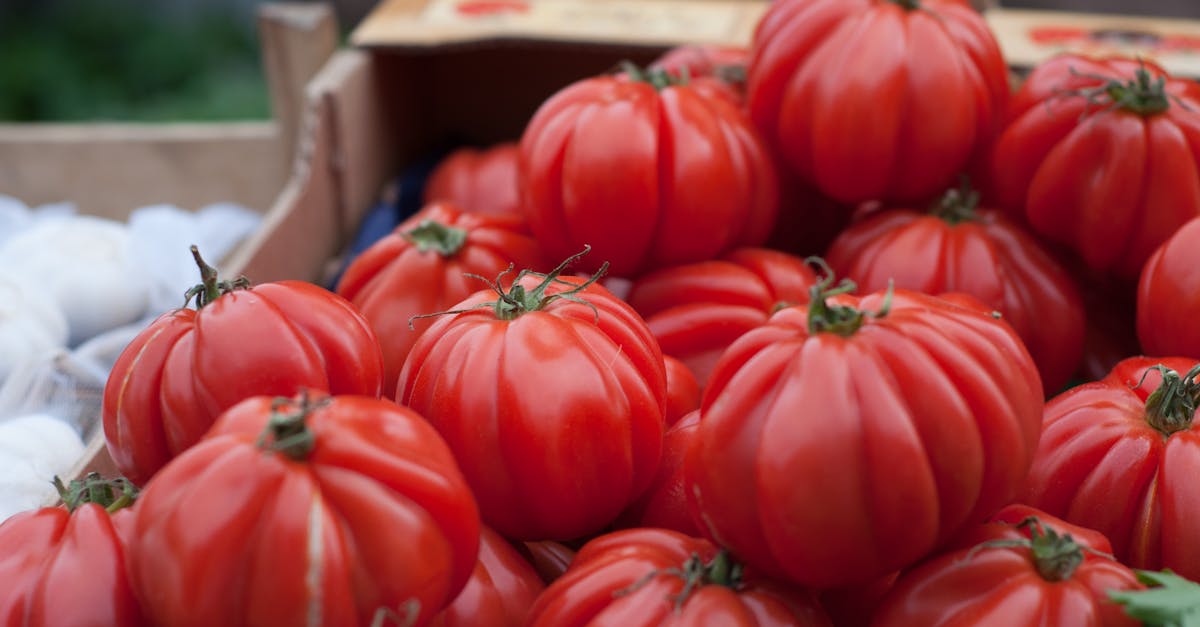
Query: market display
point(838, 328)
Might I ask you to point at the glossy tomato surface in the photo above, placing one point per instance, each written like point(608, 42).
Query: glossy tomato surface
point(325, 511)
point(958, 247)
point(697, 310)
point(555, 413)
point(422, 268)
point(174, 379)
point(500, 592)
point(1168, 298)
point(65, 568)
point(648, 176)
point(1110, 179)
point(876, 99)
point(995, 575)
point(665, 505)
point(1105, 462)
point(478, 180)
point(636, 577)
point(919, 421)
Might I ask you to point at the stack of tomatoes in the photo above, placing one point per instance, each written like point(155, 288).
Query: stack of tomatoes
point(747, 337)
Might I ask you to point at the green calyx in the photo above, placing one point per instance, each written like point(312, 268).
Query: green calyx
point(111, 494)
point(1144, 94)
point(210, 288)
point(722, 570)
point(659, 78)
point(287, 430)
point(838, 319)
point(908, 5)
point(435, 236)
point(515, 301)
point(1055, 556)
point(958, 205)
point(1171, 407)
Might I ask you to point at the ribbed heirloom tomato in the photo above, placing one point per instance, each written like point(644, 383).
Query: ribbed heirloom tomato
point(876, 99)
point(316, 510)
point(960, 247)
point(1168, 297)
point(551, 394)
point(500, 592)
point(65, 565)
point(1102, 156)
point(174, 379)
point(478, 180)
point(1121, 456)
point(1023, 568)
point(664, 504)
point(653, 577)
point(697, 310)
point(422, 266)
point(646, 170)
point(845, 439)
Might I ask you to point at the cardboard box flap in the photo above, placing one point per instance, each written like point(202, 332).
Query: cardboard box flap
point(1029, 37)
point(433, 23)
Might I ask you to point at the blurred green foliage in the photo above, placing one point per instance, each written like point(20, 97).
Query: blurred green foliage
point(81, 60)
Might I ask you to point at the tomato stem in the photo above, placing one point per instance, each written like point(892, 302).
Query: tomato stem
point(287, 430)
point(432, 235)
point(658, 78)
point(958, 205)
point(722, 570)
point(517, 301)
point(210, 288)
point(111, 494)
point(839, 319)
point(1172, 407)
point(909, 5)
point(1055, 556)
point(1143, 94)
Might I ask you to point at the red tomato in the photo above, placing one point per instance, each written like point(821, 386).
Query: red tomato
point(551, 394)
point(697, 310)
point(550, 559)
point(421, 268)
point(665, 504)
point(479, 181)
point(1168, 298)
point(718, 70)
point(904, 421)
point(1120, 456)
point(1029, 573)
point(876, 99)
point(1100, 155)
point(174, 379)
point(499, 593)
point(325, 511)
point(660, 577)
point(66, 565)
point(683, 392)
point(958, 247)
point(649, 175)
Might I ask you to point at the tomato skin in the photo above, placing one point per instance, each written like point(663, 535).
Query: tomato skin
point(922, 421)
point(556, 416)
point(550, 559)
point(478, 180)
point(174, 379)
point(376, 515)
point(665, 505)
point(500, 592)
point(964, 585)
point(1101, 465)
point(593, 590)
point(648, 178)
point(842, 89)
point(1168, 297)
point(394, 279)
point(986, 256)
point(683, 392)
point(64, 568)
point(697, 310)
point(1109, 184)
